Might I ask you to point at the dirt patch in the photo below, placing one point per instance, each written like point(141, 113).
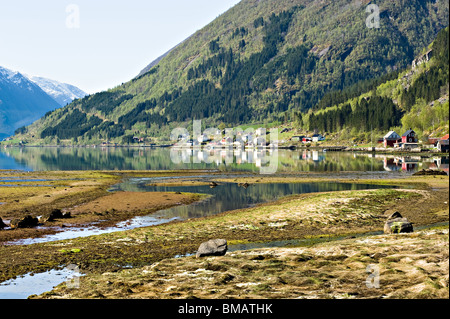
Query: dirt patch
point(84, 194)
point(131, 201)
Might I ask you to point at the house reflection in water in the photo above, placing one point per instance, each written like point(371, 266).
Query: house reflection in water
point(402, 163)
point(390, 164)
point(408, 163)
point(441, 163)
point(414, 163)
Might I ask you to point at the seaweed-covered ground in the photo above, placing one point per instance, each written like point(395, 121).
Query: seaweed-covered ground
point(266, 273)
point(386, 266)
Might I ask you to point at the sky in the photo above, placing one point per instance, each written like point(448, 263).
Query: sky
point(96, 44)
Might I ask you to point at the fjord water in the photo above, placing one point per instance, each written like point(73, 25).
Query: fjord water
point(134, 158)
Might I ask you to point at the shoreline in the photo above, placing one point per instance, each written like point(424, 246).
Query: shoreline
point(329, 148)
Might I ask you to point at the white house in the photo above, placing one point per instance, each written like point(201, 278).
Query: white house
point(391, 138)
point(260, 131)
point(317, 138)
point(203, 138)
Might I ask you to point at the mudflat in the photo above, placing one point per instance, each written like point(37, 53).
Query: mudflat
point(150, 251)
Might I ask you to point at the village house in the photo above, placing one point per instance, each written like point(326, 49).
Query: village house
point(408, 140)
point(391, 138)
point(317, 138)
point(203, 138)
point(409, 137)
point(443, 144)
point(297, 138)
point(228, 140)
point(306, 140)
point(260, 131)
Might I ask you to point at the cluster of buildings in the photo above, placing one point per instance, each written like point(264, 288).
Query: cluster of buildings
point(409, 140)
point(217, 138)
point(306, 139)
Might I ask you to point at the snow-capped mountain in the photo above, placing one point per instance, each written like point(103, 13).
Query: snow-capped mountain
point(21, 102)
point(62, 93)
point(8, 76)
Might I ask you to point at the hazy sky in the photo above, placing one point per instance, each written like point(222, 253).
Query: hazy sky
point(96, 44)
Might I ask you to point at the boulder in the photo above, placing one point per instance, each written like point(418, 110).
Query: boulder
point(244, 185)
point(214, 247)
point(396, 224)
point(49, 217)
point(26, 222)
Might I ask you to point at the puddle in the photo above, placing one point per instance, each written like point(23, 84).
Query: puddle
point(35, 284)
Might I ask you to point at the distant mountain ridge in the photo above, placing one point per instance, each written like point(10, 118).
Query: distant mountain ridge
point(23, 101)
point(62, 93)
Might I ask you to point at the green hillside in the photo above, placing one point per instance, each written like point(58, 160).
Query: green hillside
point(417, 97)
point(263, 61)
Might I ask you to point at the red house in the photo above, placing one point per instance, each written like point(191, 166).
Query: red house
point(409, 137)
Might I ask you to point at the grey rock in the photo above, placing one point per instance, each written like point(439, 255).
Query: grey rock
point(49, 217)
point(396, 224)
point(214, 247)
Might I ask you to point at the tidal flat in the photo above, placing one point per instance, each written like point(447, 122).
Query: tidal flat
point(105, 260)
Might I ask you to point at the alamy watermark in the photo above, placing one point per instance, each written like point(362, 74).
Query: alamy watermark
point(373, 280)
point(73, 280)
point(373, 20)
point(200, 146)
point(73, 16)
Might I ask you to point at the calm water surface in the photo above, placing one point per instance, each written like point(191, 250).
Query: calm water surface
point(52, 158)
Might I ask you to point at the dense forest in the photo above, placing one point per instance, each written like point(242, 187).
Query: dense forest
point(373, 113)
point(429, 84)
point(380, 112)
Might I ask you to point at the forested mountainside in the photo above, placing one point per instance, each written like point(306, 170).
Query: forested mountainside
point(262, 61)
point(417, 97)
